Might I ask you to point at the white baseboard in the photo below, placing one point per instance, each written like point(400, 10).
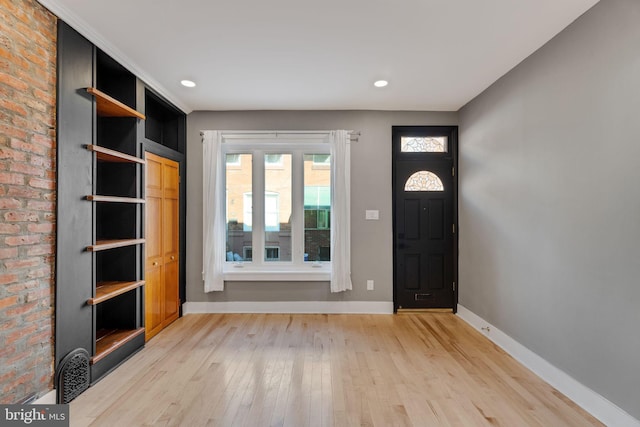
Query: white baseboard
point(322, 307)
point(589, 400)
point(47, 399)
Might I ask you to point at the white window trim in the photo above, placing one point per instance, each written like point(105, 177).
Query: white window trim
point(258, 269)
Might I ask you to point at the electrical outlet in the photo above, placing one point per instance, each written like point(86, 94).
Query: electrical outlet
point(369, 285)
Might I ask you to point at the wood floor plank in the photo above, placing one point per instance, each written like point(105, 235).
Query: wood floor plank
point(410, 369)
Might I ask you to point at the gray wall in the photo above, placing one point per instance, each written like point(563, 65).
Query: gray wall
point(372, 252)
point(550, 202)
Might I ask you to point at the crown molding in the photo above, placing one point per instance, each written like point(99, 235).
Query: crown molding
point(97, 39)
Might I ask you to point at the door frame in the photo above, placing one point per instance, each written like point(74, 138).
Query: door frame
point(452, 133)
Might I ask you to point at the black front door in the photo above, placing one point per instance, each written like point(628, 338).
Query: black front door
point(424, 192)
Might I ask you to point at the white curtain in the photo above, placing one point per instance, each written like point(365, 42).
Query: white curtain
point(213, 216)
point(340, 211)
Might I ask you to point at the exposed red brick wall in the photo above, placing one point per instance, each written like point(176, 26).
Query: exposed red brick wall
point(27, 199)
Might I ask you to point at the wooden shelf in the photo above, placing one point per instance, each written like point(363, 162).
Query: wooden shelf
point(110, 107)
point(109, 340)
point(113, 156)
point(114, 199)
point(108, 290)
point(102, 245)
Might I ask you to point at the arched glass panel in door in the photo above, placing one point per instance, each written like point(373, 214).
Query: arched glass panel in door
point(423, 181)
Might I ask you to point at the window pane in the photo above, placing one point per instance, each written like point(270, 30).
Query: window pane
point(239, 208)
point(233, 159)
point(271, 212)
point(431, 144)
point(323, 218)
point(317, 207)
point(273, 159)
point(321, 159)
point(277, 207)
point(247, 211)
point(272, 253)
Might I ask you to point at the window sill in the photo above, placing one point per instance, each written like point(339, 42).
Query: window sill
point(244, 274)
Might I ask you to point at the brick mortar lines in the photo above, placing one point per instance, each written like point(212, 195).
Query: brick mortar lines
point(27, 199)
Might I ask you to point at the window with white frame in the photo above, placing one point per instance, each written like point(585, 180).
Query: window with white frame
point(284, 200)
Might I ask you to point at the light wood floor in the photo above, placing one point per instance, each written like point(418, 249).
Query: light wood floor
point(417, 369)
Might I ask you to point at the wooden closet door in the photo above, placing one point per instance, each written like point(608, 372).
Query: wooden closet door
point(153, 298)
point(162, 301)
point(170, 242)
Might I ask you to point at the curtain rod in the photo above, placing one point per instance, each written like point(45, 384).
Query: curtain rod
point(353, 135)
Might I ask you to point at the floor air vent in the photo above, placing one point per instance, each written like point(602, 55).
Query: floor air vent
point(72, 376)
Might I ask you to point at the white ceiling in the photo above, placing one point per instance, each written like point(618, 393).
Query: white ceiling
point(301, 54)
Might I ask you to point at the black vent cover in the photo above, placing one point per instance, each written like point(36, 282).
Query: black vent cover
point(72, 375)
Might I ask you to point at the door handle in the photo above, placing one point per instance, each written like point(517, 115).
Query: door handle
point(173, 257)
point(155, 264)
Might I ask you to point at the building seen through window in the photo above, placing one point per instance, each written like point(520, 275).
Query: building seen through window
point(277, 205)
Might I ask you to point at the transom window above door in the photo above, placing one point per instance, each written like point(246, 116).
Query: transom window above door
point(428, 144)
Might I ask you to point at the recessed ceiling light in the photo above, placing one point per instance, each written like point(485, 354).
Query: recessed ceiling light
point(187, 83)
point(380, 83)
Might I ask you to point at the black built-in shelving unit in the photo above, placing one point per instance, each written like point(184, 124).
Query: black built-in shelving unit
point(102, 137)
